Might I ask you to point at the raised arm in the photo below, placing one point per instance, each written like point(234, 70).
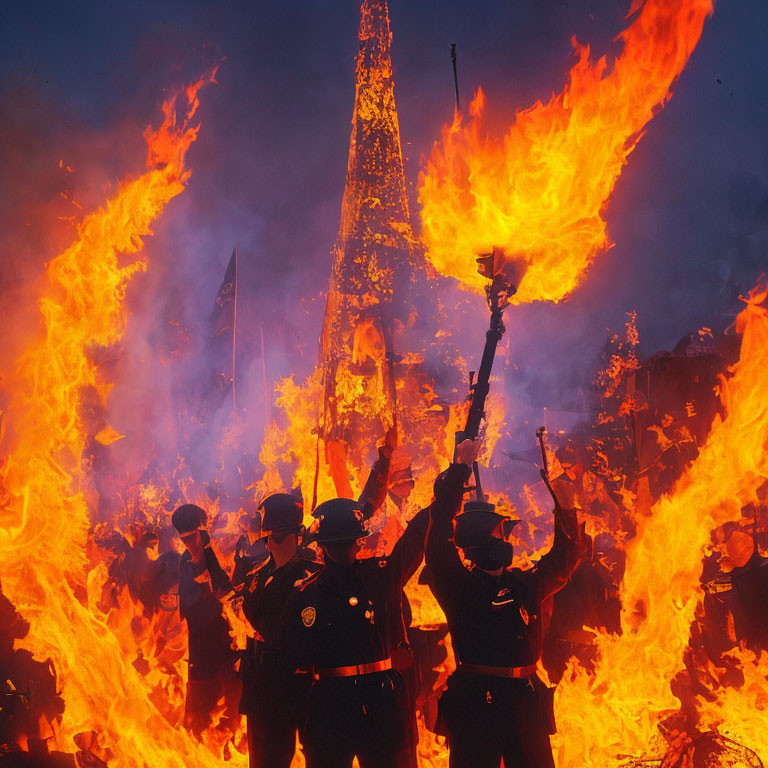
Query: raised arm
point(375, 491)
point(442, 557)
point(220, 583)
point(409, 549)
point(554, 569)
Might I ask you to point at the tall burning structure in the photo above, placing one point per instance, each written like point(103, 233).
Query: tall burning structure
point(376, 261)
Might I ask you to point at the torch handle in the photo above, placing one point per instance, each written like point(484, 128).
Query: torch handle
point(482, 385)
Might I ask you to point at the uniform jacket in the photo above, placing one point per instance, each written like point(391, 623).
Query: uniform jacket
point(347, 615)
point(264, 673)
point(497, 621)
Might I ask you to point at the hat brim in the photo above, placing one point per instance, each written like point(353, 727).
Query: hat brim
point(341, 537)
point(282, 529)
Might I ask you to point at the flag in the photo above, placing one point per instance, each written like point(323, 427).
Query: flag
point(223, 316)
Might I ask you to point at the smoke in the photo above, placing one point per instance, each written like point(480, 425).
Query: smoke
point(689, 216)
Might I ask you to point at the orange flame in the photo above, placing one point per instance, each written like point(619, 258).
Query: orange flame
point(44, 525)
point(539, 191)
point(629, 694)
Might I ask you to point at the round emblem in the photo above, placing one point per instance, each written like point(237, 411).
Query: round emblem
point(308, 616)
point(353, 601)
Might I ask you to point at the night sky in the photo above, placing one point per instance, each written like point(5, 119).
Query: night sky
point(79, 82)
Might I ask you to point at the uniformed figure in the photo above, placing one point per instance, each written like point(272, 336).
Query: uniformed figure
point(494, 706)
point(272, 693)
point(202, 584)
point(344, 624)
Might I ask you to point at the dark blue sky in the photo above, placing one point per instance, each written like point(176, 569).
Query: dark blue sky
point(81, 80)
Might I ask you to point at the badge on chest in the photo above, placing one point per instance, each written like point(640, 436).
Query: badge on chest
point(505, 597)
point(308, 616)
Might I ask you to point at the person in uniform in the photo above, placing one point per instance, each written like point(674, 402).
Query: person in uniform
point(345, 623)
point(271, 692)
point(202, 585)
point(495, 707)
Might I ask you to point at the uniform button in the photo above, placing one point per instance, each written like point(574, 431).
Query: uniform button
point(353, 601)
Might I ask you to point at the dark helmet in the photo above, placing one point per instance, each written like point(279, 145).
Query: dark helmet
point(476, 523)
point(281, 511)
point(188, 518)
point(339, 520)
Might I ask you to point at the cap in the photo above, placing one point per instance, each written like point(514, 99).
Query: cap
point(339, 520)
point(280, 511)
point(474, 526)
point(188, 518)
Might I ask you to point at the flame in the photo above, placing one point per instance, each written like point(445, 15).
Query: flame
point(629, 693)
point(44, 526)
point(539, 191)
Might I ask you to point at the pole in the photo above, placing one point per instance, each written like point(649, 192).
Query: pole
point(455, 76)
point(264, 380)
point(497, 293)
point(234, 338)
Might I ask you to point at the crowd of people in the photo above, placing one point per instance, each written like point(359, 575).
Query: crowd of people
point(329, 656)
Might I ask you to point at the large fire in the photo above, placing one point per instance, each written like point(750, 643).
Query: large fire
point(539, 191)
point(45, 520)
point(643, 691)
point(630, 693)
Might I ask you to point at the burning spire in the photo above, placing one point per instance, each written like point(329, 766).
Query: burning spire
point(374, 260)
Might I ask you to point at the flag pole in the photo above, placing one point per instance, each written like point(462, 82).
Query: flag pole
point(234, 339)
point(455, 76)
point(264, 380)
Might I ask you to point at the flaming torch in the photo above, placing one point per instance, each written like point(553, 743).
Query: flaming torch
point(541, 187)
point(498, 292)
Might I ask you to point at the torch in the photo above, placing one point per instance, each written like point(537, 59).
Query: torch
point(500, 288)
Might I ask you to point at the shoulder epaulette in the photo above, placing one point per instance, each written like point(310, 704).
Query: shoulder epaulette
point(309, 580)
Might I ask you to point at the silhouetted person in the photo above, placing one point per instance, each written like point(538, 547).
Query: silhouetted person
point(202, 584)
point(494, 706)
point(344, 624)
point(272, 693)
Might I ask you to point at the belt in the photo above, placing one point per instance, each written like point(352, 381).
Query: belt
point(481, 669)
point(355, 669)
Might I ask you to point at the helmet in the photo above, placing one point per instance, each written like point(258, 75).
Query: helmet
point(188, 518)
point(476, 523)
point(281, 511)
point(339, 520)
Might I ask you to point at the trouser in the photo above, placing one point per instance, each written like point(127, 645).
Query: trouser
point(202, 702)
point(272, 704)
point(364, 717)
point(519, 750)
point(271, 740)
point(488, 719)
